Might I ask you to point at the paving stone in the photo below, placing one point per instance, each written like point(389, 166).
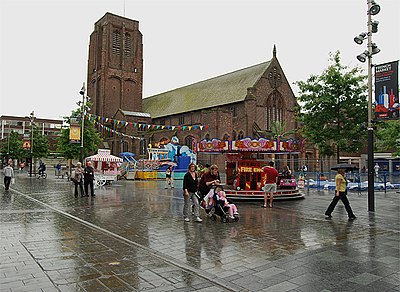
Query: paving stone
point(148, 247)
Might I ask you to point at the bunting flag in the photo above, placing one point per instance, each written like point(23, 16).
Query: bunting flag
point(107, 129)
point(142, 126)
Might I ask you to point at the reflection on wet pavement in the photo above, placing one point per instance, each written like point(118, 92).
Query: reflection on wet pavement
point(131, 236)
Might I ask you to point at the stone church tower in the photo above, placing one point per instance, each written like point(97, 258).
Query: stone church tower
point(115, 66)
point(115, 76)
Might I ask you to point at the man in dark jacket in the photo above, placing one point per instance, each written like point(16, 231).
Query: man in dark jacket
point(88, 175)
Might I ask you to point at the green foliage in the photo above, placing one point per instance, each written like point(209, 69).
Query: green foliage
point(40, 144)
point(334, 108)
point(388, 136)
point(91, 139)
point(11, 147)
point(279, 130)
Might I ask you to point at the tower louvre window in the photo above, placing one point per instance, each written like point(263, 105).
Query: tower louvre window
point(116, 42)
point(128, 45)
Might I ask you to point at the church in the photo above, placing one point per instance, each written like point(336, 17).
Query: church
point(245, 103)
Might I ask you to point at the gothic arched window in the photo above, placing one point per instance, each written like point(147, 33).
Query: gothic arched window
point(128, 45)
point(233, 135)
point(274, 109)
point(189, 141)
point(116, 42)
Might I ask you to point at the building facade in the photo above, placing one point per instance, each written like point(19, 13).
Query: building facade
point(244, 103)
point(22, 125)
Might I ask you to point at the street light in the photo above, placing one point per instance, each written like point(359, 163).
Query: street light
point(82, 92)
point(31, 119)
point(373, 9)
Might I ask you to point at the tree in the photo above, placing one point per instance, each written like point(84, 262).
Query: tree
point(334, 108)
point(12, 146)
point(91, 138)
point(388, 136)
point(40, 144)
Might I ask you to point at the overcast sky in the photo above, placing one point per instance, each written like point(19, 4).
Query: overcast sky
point(44, 44)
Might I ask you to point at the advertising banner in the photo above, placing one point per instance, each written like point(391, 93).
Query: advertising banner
point(74, 131)
point(387, 91)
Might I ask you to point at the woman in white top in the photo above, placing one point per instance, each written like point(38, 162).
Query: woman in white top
point(8, 172)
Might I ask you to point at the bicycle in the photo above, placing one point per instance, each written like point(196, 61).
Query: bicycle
point(42, 175)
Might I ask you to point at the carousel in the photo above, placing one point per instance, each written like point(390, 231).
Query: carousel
point(106, 167)
point(244, 172)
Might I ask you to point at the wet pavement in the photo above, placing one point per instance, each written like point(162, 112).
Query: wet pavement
point(132, 237)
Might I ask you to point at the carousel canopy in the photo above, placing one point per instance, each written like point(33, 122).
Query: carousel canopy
point(104, 155)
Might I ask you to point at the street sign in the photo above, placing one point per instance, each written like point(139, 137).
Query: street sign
point(26, 144)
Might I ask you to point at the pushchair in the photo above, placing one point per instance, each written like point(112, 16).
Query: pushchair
point(218, 209)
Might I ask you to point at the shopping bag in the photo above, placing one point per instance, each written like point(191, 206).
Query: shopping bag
point(12, 181)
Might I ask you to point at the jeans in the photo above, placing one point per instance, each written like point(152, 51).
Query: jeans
point(7, 181)
point(343, 197)
point(187, 205)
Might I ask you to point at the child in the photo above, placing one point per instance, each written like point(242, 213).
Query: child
point(168, 178)
point(232, 207)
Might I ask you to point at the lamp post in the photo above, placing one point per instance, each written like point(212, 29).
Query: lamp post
point(373, 9)
point(82, 92)
point(31, 119)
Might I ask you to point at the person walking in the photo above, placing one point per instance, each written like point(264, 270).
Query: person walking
point(340, 194)
point(376, 169)
point(169, 181)
point(190, 183)
point(78, 180)
point(59, 168)
point(270, 180)
point(88, 175)
point(8, 172)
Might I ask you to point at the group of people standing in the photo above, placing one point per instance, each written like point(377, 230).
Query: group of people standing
point(192, 185)
point(83, 178)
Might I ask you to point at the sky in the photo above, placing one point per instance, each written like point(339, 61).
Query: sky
point(44, 44)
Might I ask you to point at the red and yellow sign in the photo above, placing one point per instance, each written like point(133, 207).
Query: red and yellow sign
point(26, 144)
point(74, 133)
point(250, 169)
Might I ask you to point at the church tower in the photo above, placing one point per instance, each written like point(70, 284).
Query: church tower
point(115, 66)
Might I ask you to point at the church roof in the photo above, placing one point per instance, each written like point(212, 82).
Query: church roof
point(217, 91)
point(135, 114)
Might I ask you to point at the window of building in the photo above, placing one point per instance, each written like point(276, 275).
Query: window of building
point(128, 45)
point(234, 111)
point(116, 42)
point(181, 120)
point(143, 146)
point(233, 135)
point(274, 110)
point(189, 142)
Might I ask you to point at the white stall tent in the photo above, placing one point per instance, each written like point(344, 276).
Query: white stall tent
point(106, 166)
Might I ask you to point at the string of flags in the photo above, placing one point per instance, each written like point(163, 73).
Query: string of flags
point(99, 120)
point(144, 126)
point(107, 129)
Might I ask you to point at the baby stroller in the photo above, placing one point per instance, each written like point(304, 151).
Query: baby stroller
point(220, 209)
